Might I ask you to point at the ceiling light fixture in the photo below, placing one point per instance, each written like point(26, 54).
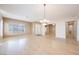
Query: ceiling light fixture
point(44, 21)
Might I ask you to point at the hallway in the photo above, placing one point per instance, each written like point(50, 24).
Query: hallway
point(34, 45)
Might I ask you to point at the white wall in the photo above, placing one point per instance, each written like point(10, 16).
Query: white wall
point(1, 26)
point(60, 29)
point(78, 30)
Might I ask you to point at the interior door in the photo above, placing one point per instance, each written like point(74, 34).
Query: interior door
point(71, 31)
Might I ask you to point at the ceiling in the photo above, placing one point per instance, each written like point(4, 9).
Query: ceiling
point(35, 12)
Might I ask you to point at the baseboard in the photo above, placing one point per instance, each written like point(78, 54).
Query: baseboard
point(14, 35)
point(60, 38)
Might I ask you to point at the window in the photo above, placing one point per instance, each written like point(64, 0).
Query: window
point(17, 27)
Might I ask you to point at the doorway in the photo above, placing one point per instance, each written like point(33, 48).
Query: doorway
point(50, 30)
point(71, 31)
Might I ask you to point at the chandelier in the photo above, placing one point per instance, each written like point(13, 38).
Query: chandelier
point(44, 21)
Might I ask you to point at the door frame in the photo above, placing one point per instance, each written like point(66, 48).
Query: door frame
point(75, 30)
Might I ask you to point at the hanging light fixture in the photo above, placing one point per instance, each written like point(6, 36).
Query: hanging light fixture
point(44, 21)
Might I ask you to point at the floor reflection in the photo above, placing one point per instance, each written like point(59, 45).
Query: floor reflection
point(14, 45)
point(36, 45)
